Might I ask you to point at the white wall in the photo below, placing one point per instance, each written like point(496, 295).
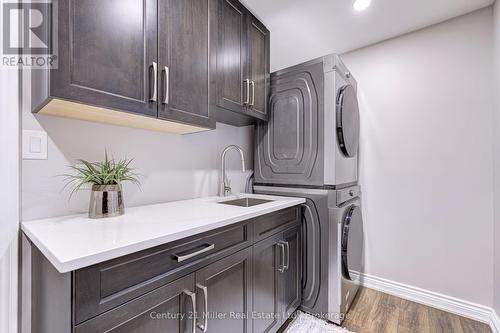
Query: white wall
point(9, 198)
point(426, 157)
point(9, 161)
point(173, 167)
point(496, 56)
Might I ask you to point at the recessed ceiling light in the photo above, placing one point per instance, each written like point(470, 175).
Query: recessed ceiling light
point(360, 5)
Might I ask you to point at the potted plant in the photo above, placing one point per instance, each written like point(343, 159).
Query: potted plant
point(106, 178)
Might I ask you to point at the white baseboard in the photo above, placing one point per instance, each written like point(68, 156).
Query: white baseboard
point(495, 322)
point(439, 301)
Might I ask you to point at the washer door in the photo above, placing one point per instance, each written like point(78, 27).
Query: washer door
point(348, 121)
point(352, 244)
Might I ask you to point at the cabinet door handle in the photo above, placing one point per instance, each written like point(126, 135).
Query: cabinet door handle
point(204, 327)
point(287, 256)
point(247, 90)
point(193, 301)
point(253, 93)
point(281, 266)
point(181, 258)
point(166, 85)
point(154, 66)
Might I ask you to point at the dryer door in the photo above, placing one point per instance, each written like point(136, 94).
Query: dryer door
point(352, 244)
point(348, 121)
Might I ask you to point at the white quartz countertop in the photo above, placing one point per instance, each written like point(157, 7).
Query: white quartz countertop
point(74, 242)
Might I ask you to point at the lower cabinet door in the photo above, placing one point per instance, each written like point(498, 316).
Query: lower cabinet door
point(291, 287)
point(166, 309)
point(268, 262)
point(224, 294)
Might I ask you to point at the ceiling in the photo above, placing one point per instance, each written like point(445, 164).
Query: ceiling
point(327, 26)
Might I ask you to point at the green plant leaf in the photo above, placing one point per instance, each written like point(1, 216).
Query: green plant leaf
point(106, 172)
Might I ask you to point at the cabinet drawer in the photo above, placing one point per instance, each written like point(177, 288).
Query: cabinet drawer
point(270, 224)
point(107, 285)
point(147, 313)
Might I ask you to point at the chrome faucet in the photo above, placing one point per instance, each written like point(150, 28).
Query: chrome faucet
point(225, 184)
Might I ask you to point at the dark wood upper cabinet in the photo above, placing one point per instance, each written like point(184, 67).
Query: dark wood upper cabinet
point(231, 55)
point(258, 67)
point(162, 65)
point(106, 54)
point(135, 63)
point(185, 61)
point(242, 65)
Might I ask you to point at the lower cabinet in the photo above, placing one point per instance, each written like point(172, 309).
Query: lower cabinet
point(166, 309)
point(242, 278)
point(224, 294)
point(221, 293)
point(266, 284)
point(277, 280)
point(291, 287)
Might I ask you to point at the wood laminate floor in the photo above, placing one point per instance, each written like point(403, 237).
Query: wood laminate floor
point(376, 312)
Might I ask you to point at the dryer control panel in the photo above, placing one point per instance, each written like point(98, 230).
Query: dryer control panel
point(348, 194)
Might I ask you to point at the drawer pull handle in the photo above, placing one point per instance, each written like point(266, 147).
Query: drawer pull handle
point(193, 301)
point(281, 264)
point(154, 67)
point(287, 256)
point(166, 85)
point(247, 90)
point(181, 258)
point(204, 327)
point(252, 83)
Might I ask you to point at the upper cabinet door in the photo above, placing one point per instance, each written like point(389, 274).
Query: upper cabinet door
point(258, 67)
point(232, 82)
point(107, 54)
point(185, 60)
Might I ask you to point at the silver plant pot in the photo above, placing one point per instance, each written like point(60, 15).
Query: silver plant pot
point(106, 201)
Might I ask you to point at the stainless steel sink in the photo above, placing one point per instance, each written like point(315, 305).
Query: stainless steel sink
point(245, 202)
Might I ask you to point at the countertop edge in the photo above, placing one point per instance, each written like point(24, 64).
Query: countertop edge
point(72, 265)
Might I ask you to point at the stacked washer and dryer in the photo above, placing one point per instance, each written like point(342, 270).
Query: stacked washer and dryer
point(309, 148)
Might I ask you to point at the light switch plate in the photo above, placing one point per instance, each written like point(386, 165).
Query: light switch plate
point(34, 145)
